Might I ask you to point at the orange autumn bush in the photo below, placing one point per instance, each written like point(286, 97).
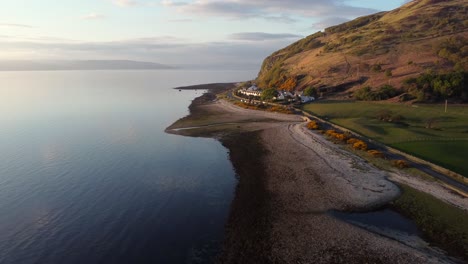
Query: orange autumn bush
point(312, 125)
point(400, 164)
point(359, 144)
point(376, 153)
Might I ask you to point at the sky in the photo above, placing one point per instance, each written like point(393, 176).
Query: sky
point(219, 33)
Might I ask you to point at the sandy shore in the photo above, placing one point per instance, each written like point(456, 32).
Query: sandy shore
point(289, 179)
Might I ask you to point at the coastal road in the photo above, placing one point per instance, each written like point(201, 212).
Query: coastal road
point(425, 168)
point(461, 187)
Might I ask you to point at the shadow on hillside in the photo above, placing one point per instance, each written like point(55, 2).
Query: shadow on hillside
point(344, 86)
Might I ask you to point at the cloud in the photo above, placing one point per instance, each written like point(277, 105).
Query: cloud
point(261, 36)
point(183, 20)
point(12, 25)
point(264, 8)
point(172, 3)
point(281, 19)
point(126, 3)
point(93, 16)
point(167, 50)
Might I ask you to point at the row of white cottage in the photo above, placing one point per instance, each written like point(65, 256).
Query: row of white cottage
point(282, 95)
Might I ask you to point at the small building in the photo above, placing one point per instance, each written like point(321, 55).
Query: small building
point(253, 88)
point(306, 99)
point(279, 96)
point(283, 95)
point(251, 92)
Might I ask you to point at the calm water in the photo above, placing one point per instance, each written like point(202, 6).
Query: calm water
point(87, 174)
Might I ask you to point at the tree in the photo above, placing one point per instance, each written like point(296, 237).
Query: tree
point(268, 94)
point(364, 94)
point(386, 91)
point(310, 91)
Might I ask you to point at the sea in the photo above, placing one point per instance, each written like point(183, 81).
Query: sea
point(88, 175)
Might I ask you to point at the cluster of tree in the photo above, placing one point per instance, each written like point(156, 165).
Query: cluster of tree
point(310, 91)
point(383, 93)
point(455, 50)
point(268, 94)
point(273, 75)
point(431, 87)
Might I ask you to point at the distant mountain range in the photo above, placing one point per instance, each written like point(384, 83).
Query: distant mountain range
point(37, 65)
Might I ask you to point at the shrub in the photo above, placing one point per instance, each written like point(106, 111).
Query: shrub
point(313, 125)
point(386, 91)
point(341, 137)
point(376, 68)
point(268, 94)
point(364, 94)
point(280, 109)
point(400, 164)
point(376, 153)
point(310, 91)
point(289, 84)
point(357, 143)
point(361, 145)
point(388, 73)
point(431, 86)
point(383, 93)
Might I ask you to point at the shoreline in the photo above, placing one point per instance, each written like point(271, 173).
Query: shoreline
point(280, 210)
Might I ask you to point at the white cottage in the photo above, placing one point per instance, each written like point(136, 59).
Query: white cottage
point(307, 99)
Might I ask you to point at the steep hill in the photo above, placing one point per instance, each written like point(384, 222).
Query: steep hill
point(384, 48)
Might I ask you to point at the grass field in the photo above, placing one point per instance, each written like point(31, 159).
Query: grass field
point(436, 152)
point(445, 144)
point(441, 223)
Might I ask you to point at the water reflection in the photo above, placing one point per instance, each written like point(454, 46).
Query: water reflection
point(87, 174)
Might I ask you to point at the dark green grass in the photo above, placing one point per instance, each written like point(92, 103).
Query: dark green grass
point(452, 155)
point(443, 144)
point(442, 224)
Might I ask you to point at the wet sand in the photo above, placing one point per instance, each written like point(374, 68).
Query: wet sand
point(289, 179)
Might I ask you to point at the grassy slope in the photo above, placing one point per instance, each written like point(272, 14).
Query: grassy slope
point(404, 40)
point(445, 145)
